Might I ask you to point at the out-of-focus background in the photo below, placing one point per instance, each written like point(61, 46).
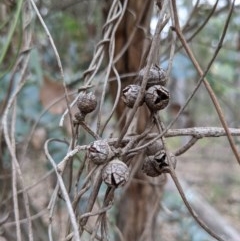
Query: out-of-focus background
point(209, 171)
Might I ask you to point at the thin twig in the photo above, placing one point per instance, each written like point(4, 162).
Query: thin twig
point(89, 130)
point(53, 102)
point(92, 198)
point(204, 22)
point(64, 193)
point(118, 14)
point(115, 101)
point(181, 192)
point(198, 132)
point(191, 15)
point(85, 186)
point(25, 220)
point(151, 56)
point(58, 62)
point(187, 146)
point(95, 213)
point(27, 188)
point(133, 32)
point(10, 142)
point(51, 210)
point(15, 202)
point(194, 215)
point(201, 73)
point(61, 165)
point(189, 98)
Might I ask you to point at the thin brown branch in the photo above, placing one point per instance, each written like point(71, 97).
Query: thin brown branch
point(151, 56)
point(25, 220)
point(58, 62)
point(95, 213)
point(194, 215)
point(196, 32)
point(27, 188)
point(201, 73)
point(204, 22)
point(186, 147)
point(191, 15)
point(10, 141)
point(64, 192)
point(118, 14)
point(89, 130)
point(92, 198)
point(199, 132)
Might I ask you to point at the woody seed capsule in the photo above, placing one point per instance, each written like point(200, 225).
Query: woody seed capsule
point(115, 173)
point(148, 167)
point(157, 97)
point(99, 152)
point(156, 76)
point(130, 94)
point(86, 102)
point(154, 148)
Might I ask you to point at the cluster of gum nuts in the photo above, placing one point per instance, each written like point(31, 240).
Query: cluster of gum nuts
point(156, 96)
point(115, 173)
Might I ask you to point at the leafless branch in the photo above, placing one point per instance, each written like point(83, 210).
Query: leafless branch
point(203, 74)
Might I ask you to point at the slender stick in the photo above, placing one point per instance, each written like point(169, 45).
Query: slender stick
point(58, 62)
point(64, 193)
point(194, 215)
point(201, 73)
point(186, 147)
point(152, 53)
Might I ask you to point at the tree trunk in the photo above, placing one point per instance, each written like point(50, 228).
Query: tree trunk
point(135, 209)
